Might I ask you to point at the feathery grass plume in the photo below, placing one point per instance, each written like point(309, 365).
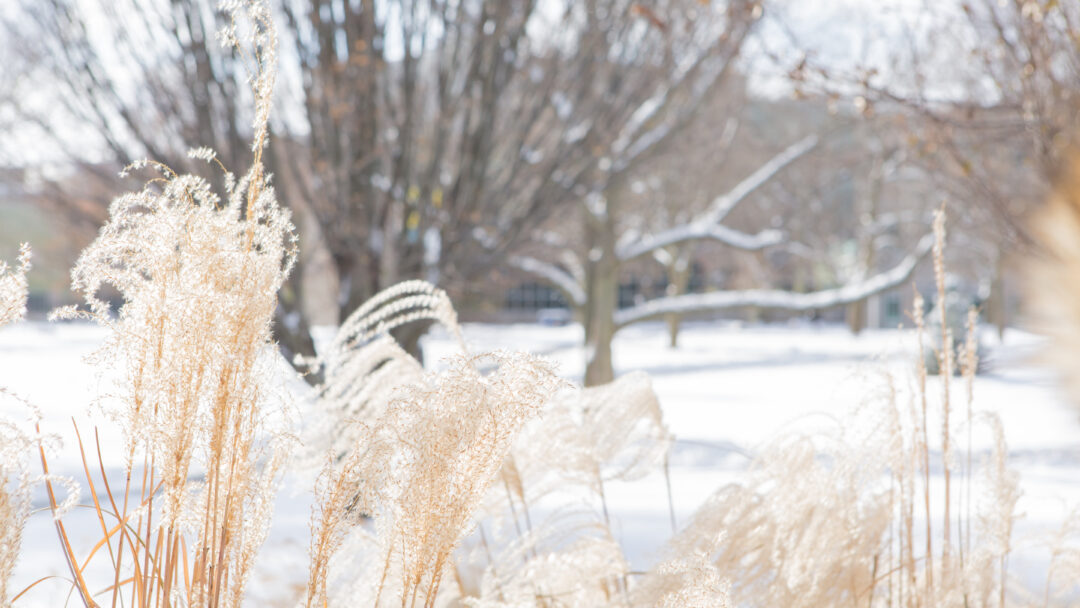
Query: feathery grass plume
point(590, 437)
point(566, 563)
point(364, 364)
point(921, 442)
point(996, 518)
point(16, 480)
point(13, 287)
point(421, 470)
point(16, 483)
point(1052, 288)
point(946, 354)
point(806, 528)
point(584, 438)
point(690, 581)
point(404, 303)
point(969, 366)
point(20, 448)
point(199, 275)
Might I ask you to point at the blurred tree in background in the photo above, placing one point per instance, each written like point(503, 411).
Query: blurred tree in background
point(577, 142)
point(417, 139)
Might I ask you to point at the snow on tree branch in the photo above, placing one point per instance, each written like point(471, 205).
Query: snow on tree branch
point(696, 231)
point(778, 299)
point(722, 205)
point(561, 279)
point(707, 225)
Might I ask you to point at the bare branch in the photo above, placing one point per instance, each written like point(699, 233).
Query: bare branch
point(723, 205)
point(707, 225)
point(558, 277)
point(778, 299)
point(696, 231)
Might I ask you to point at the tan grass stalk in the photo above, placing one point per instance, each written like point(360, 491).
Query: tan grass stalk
point(945, 367)
point(923, 442)
point(969, 364)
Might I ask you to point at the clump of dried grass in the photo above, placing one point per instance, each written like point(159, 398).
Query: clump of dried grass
point(561, 563)
point(433, 458)
point(848, 518)
point(199, 274)
point(19, 447)
point(590, 437)
point(364, 364)
point(422, 468)
point(804, 530)
point(585, 439)
point(691, 580)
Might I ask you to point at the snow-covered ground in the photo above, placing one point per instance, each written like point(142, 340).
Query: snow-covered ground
point(725, 391)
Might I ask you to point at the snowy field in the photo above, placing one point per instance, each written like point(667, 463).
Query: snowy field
point(726, 391)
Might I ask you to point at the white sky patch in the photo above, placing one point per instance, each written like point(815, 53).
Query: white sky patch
point(846, 35)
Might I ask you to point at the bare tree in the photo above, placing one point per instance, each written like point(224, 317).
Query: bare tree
point(990, 89)
point(972, 76)
point(595, 291)
point(419, 139)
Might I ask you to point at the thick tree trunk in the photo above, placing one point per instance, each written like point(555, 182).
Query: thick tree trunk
point(602, 300)
point(603, 293)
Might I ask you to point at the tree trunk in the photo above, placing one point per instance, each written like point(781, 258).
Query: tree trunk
point(996, 312)
point(603, 293)
point(602, 300)
point(865, 247)
point(856, 316)
point(291, 330)
point(678, 280)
